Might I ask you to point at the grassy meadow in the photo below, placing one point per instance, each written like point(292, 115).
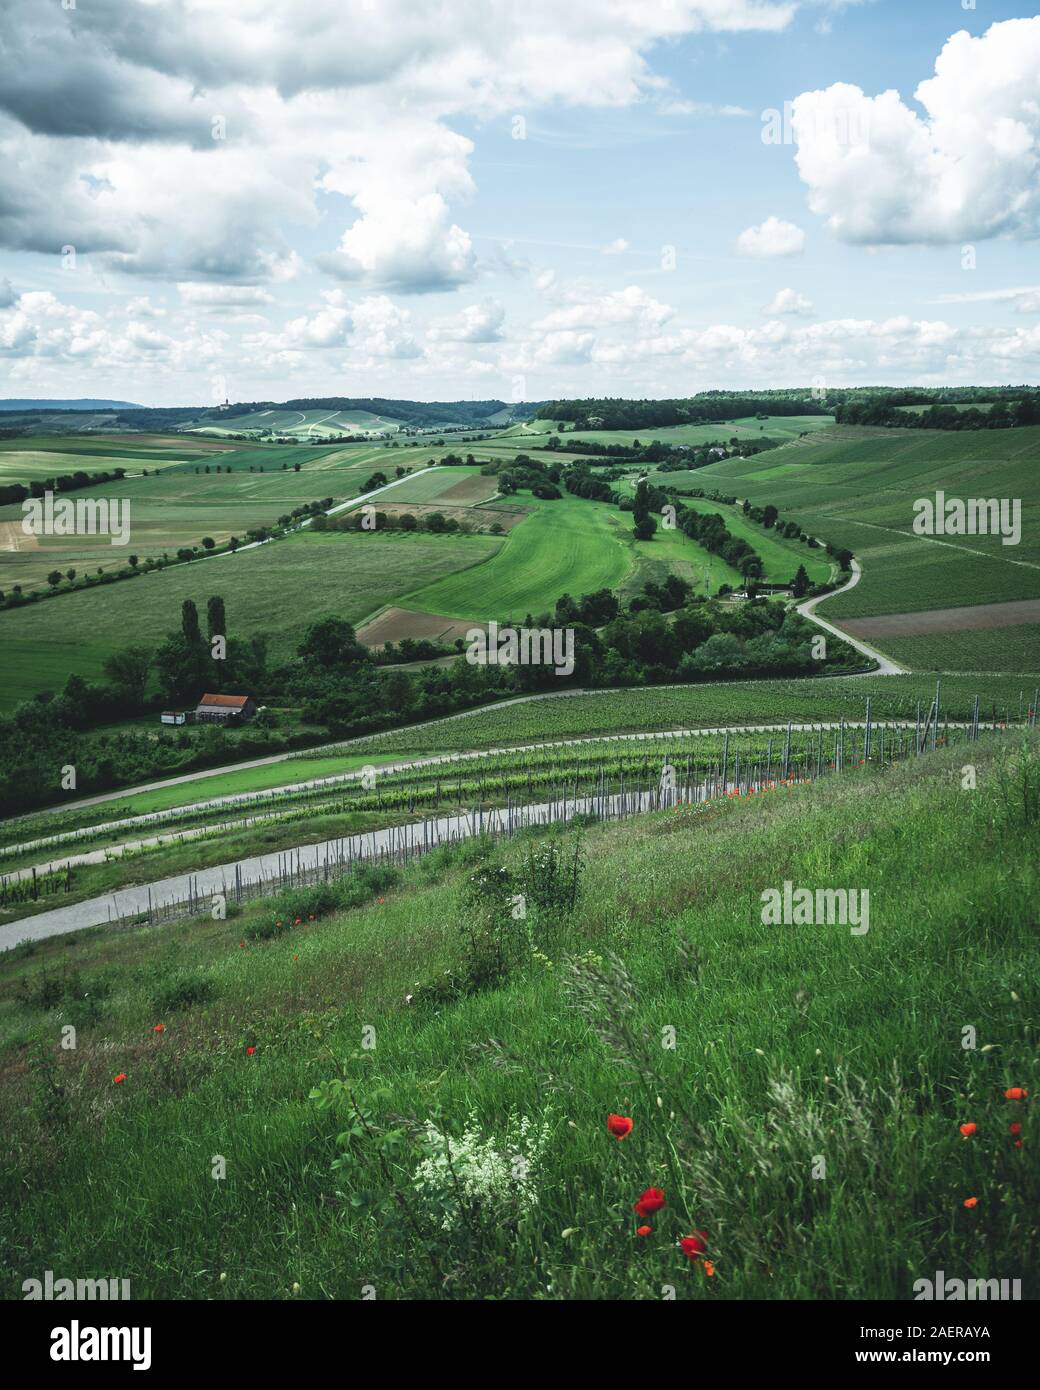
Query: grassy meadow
point(276, 589)
point(796, 1093)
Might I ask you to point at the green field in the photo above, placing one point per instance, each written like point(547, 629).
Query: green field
point(34, 459)
point(567, 546)
point(857, 487)
point(184, 503)
point(1002, 649)
point(852, 487)
point(431, 487)
point(705, 706)
point(535, 434)
point(275, 589)
point(300, 424)
point(780, 557)
point(789, 1042)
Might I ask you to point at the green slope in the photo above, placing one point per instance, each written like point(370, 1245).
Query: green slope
point(744, 1053)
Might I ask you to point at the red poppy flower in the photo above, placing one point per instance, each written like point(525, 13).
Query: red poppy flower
point(1015, 1128)
point(297, 921)
point(1016, 1093)
point(1018, 1143)
point(250, 1051)
point(241, 945)
point(970, 1202)
point(116, 1079)
point(709, 1269)
point(620, 1126)
point(159, 1028)
point(694, 1246)
point(652, 1200)
point(968, 1130)
point(644, 1230)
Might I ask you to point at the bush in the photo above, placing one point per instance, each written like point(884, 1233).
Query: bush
point(493, 926)
point(549, 881)
point(182, 990)
point(294, 906)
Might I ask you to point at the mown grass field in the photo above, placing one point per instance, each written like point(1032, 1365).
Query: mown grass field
point(744, 1054)
point(567, 546)
point(575, 546)
point(780, 557)
point(277, 589)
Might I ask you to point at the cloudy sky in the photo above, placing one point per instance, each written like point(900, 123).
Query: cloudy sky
point(515, 198)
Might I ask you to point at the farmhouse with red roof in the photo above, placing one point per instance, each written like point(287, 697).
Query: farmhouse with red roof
point(220, 709)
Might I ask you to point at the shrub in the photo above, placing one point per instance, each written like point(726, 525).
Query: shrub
point(299, 905)
point(550, 880)
point(182, 990)
point(494, 932)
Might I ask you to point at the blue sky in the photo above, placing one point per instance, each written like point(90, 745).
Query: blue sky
point(329, 197)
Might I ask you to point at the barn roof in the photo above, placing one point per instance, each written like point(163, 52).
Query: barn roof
point(225, 701)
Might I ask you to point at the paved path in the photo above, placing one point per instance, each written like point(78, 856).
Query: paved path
point(886, 666)
point(204, 884)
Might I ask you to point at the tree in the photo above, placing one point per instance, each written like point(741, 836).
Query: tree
point(128, 671)
point(800, 587)
point(132, 561)
point(190, 622)
point(70, 575)
point(182, 668)
point(208, 542)
point(216, 622)
point(332, 643)
point(54, 578)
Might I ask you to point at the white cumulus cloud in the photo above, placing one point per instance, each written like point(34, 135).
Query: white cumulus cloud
point(773, 237)
point(968, 168)
point(789, 302)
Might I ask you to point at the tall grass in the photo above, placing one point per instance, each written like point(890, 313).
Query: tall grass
point(796, 1092)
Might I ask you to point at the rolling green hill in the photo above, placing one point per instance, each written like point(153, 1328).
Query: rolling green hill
point(857, 487)
point(276, 589)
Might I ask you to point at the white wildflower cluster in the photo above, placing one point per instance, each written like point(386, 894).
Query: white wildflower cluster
point(478, 1177)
